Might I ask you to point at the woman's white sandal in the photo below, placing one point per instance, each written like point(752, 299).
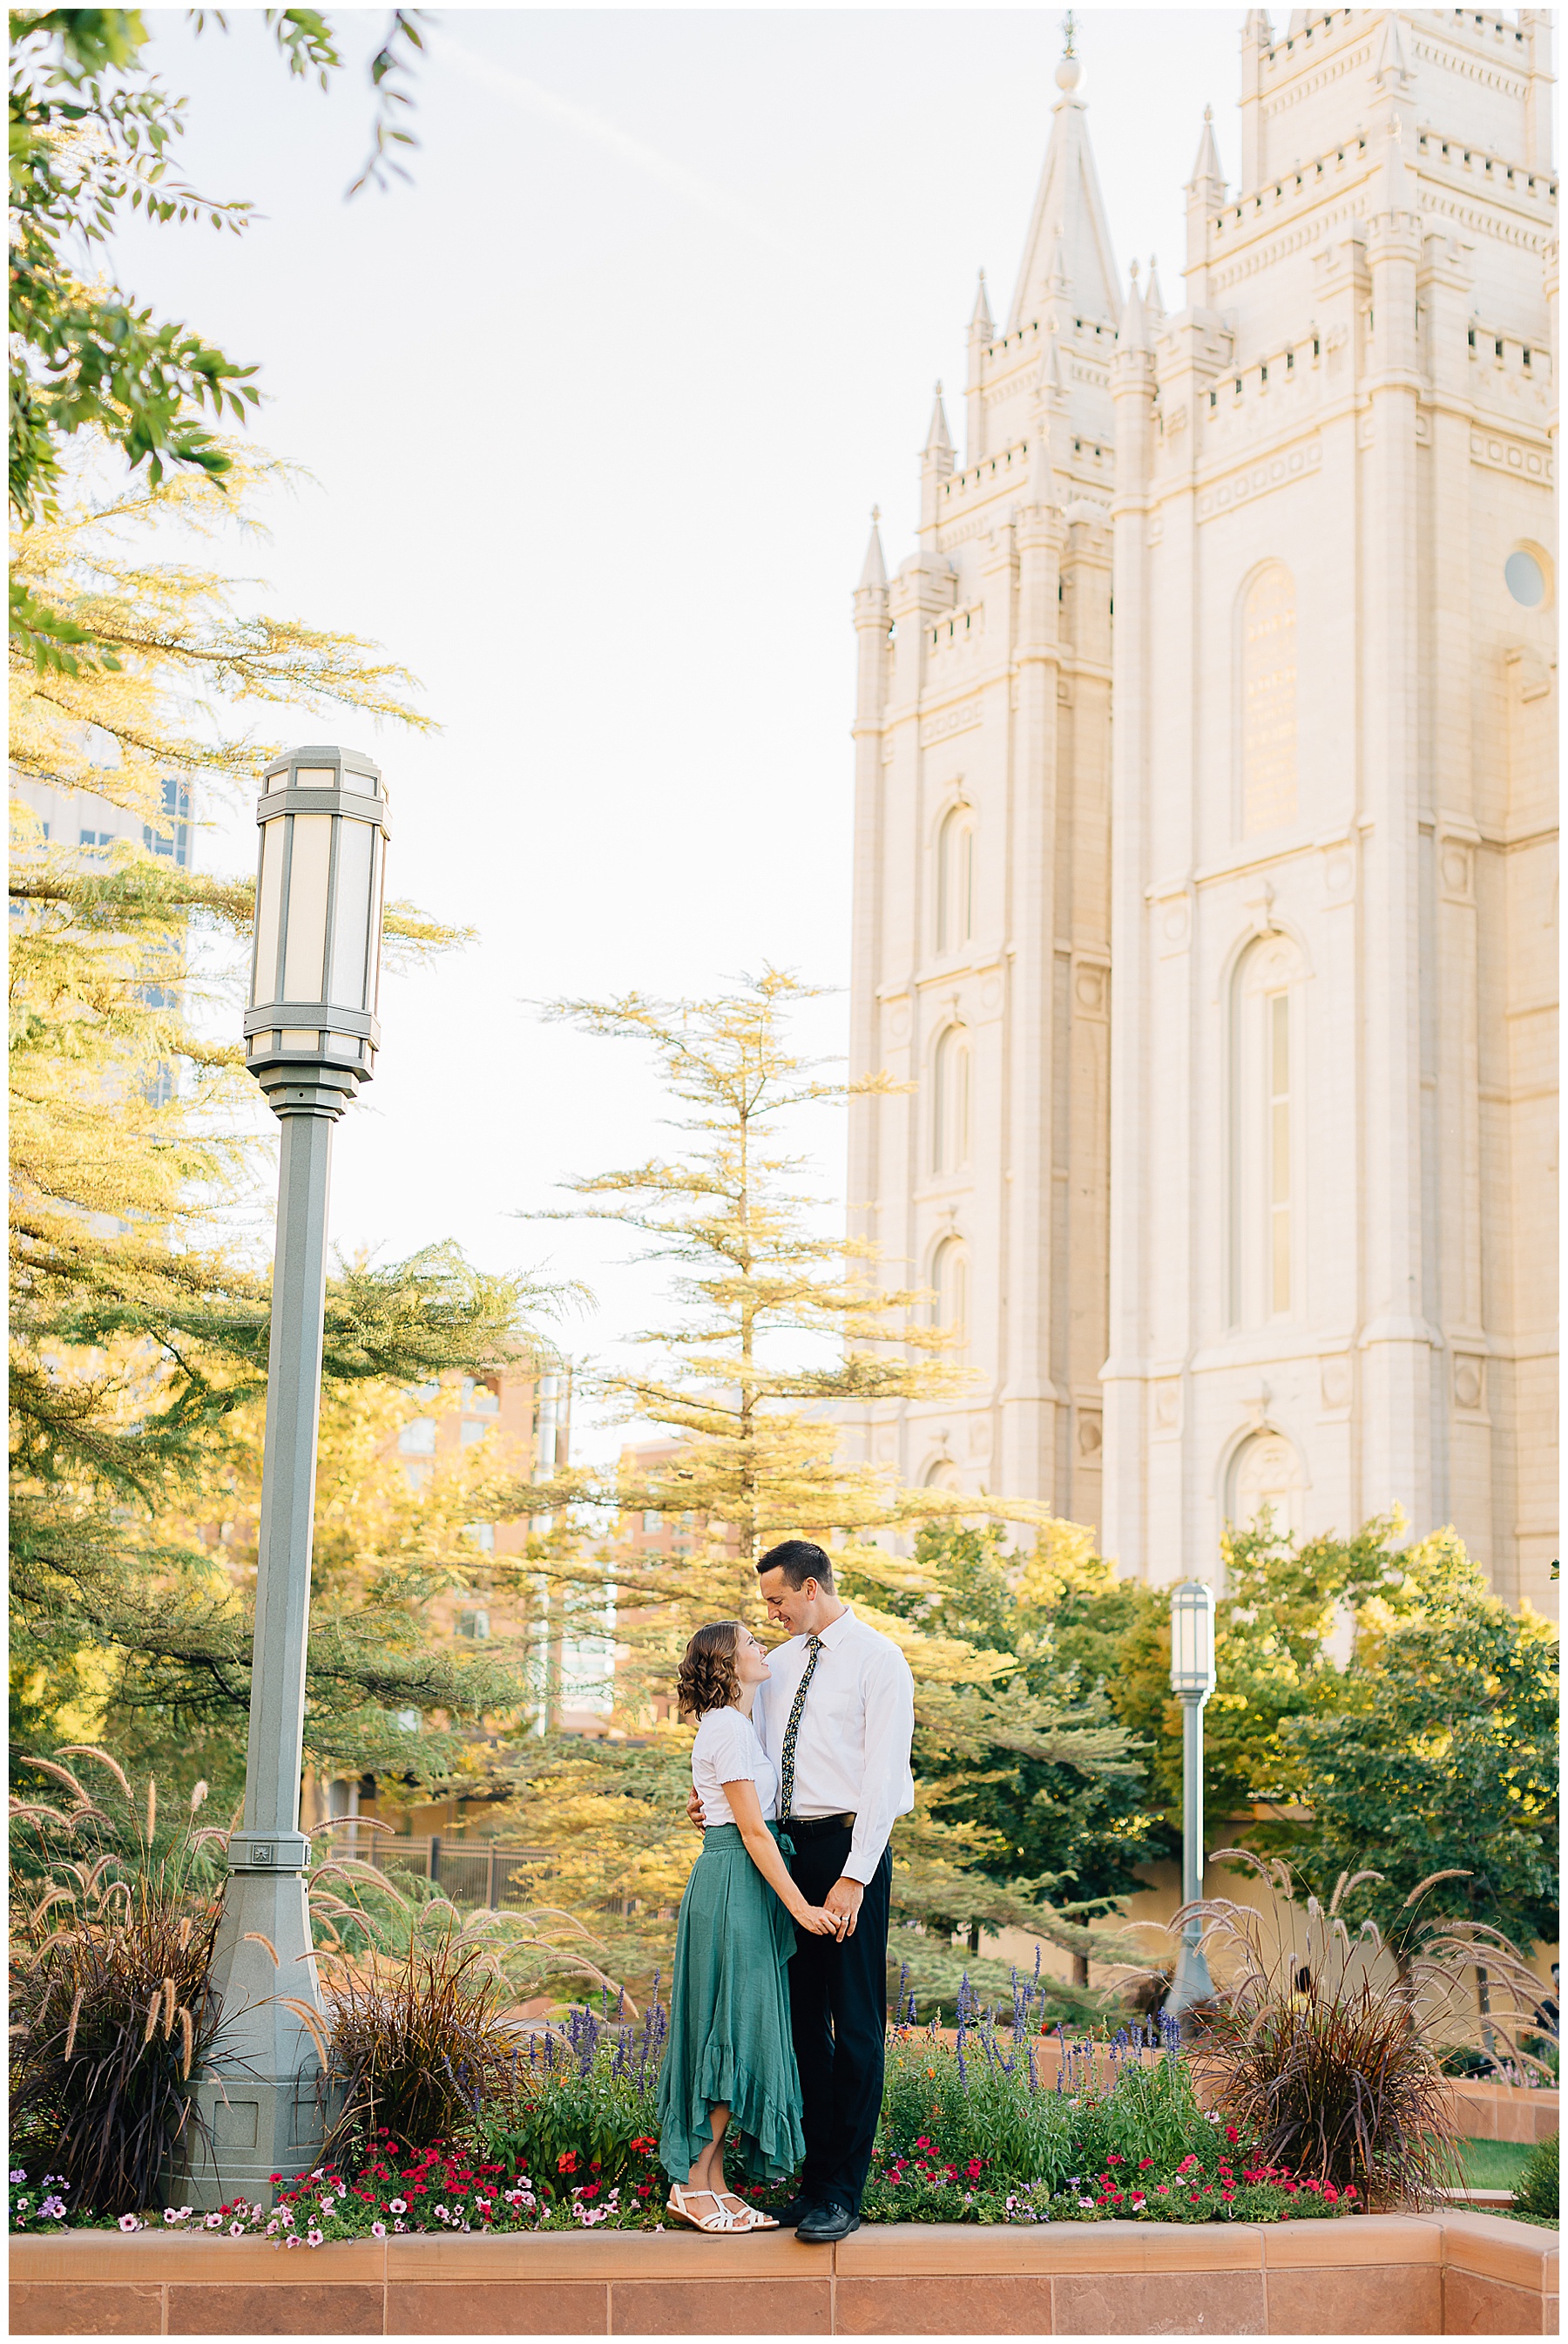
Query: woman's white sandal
point(747, 2218)
point(718, 2222)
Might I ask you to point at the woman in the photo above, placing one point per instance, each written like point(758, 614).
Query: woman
point(730, 2064)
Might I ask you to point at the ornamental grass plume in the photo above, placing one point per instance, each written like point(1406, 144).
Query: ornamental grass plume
point(417, 2045)
point(113, 2014)
point(1323, 2044)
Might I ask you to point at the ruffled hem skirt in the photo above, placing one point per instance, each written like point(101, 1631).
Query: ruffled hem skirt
point(729, 2038)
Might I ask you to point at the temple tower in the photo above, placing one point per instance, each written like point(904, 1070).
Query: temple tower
point(1296, 1225)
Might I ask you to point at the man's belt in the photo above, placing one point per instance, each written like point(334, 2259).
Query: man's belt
point(817, 1826)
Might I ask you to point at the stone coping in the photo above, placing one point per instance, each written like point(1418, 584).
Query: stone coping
point(1441, 2273)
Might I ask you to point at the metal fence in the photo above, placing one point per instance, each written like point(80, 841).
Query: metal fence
point(474, 1873)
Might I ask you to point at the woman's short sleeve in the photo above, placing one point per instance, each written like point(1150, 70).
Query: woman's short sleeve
point(733, 1756)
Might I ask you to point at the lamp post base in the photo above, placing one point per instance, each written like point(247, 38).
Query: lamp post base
point(257, 2127)
point(260, 2098)
point(1191, 1984)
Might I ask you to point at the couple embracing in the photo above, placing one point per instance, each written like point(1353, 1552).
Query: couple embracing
point(779, 2005)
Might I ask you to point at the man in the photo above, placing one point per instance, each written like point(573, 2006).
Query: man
point(837, 1717)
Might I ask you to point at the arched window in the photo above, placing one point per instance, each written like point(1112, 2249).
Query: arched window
point(951, 1101)
point(950, 1289)
point(1268, 1131)
point(955, 880)
point(943, 1475)
point(1268, 698)
point(1267, 1471)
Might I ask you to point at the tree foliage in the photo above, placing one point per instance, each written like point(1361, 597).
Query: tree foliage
point(1437, 1752)
point(94, 135)
point(189, 653)
point(1067, 1823)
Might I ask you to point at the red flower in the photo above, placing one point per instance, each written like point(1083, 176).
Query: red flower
point(568, 2161)
point(1144, 2163)
point(1231, 2133)
point(591, 2190)
point(1114, 2159)
point(973, 2168)
point(644, 2188)
point(275, 2177)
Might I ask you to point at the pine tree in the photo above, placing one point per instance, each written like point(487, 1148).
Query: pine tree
point(139, 1298)
point(773, 1325)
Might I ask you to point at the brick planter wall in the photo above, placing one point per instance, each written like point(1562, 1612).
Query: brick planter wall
point(1444, 2274)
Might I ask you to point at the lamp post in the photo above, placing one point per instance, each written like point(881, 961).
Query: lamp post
point(1191, 1680)
point(311, 1036)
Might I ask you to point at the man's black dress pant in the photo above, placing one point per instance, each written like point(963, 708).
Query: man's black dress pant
point(838, 2016)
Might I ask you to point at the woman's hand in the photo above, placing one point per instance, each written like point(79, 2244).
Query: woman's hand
point(816, 1923)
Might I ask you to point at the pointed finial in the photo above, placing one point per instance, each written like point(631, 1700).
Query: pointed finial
point(1069, 74)
point(1206, 169)
point(1154, 299)
point(980, 326)
point(1133, 333)
point(874, 574)
point(937, 442)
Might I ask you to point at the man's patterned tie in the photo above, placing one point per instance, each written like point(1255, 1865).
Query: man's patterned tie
point(787, 1756)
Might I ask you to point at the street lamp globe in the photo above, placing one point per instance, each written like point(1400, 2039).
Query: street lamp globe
point(1192, 1639)
point(319, 875)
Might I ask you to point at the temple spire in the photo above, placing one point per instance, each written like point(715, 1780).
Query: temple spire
point(1069, 230)
point(981, 325)
point(938, 441)
point(1206, 171)
point(875, 574)
point(1132, 332)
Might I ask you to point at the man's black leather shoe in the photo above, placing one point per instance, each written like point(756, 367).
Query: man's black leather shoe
point(824, 2226)
point(787, 2216)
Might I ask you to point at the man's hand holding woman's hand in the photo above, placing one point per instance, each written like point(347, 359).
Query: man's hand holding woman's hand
point(817, 1922)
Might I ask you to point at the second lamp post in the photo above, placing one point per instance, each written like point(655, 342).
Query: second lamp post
point(1191, 1680)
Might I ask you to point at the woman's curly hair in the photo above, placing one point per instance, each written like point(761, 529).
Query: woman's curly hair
point(707, 1678)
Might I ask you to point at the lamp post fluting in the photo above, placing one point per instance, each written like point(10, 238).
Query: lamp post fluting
point(311, 1036)
point(1191, 1680)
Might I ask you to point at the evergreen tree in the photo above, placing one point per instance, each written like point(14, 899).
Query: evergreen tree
point(773, 1324)
point(139, 1299)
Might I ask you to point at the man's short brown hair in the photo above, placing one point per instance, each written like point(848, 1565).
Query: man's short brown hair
point(799, 1561)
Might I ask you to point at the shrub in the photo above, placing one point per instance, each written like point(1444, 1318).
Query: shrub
point(111, 2009)
point(1535, 2191)
point(1330, 2050)
point(414, 2045)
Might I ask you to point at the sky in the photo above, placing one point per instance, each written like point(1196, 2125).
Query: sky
point(595, 409)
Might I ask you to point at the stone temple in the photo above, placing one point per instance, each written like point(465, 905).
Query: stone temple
point(1205, 830)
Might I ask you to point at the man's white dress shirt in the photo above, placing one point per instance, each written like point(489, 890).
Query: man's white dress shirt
point(852, 1746)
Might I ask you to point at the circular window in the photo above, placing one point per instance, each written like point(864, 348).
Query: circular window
point(1525, 581)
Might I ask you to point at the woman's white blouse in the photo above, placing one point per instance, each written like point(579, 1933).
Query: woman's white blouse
point(727, 1751)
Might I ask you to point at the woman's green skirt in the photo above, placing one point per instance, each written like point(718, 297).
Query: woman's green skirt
point(729, 2037)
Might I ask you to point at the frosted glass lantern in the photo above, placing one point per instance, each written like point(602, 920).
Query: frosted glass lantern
point(1191, 1638)
point(318, 889)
